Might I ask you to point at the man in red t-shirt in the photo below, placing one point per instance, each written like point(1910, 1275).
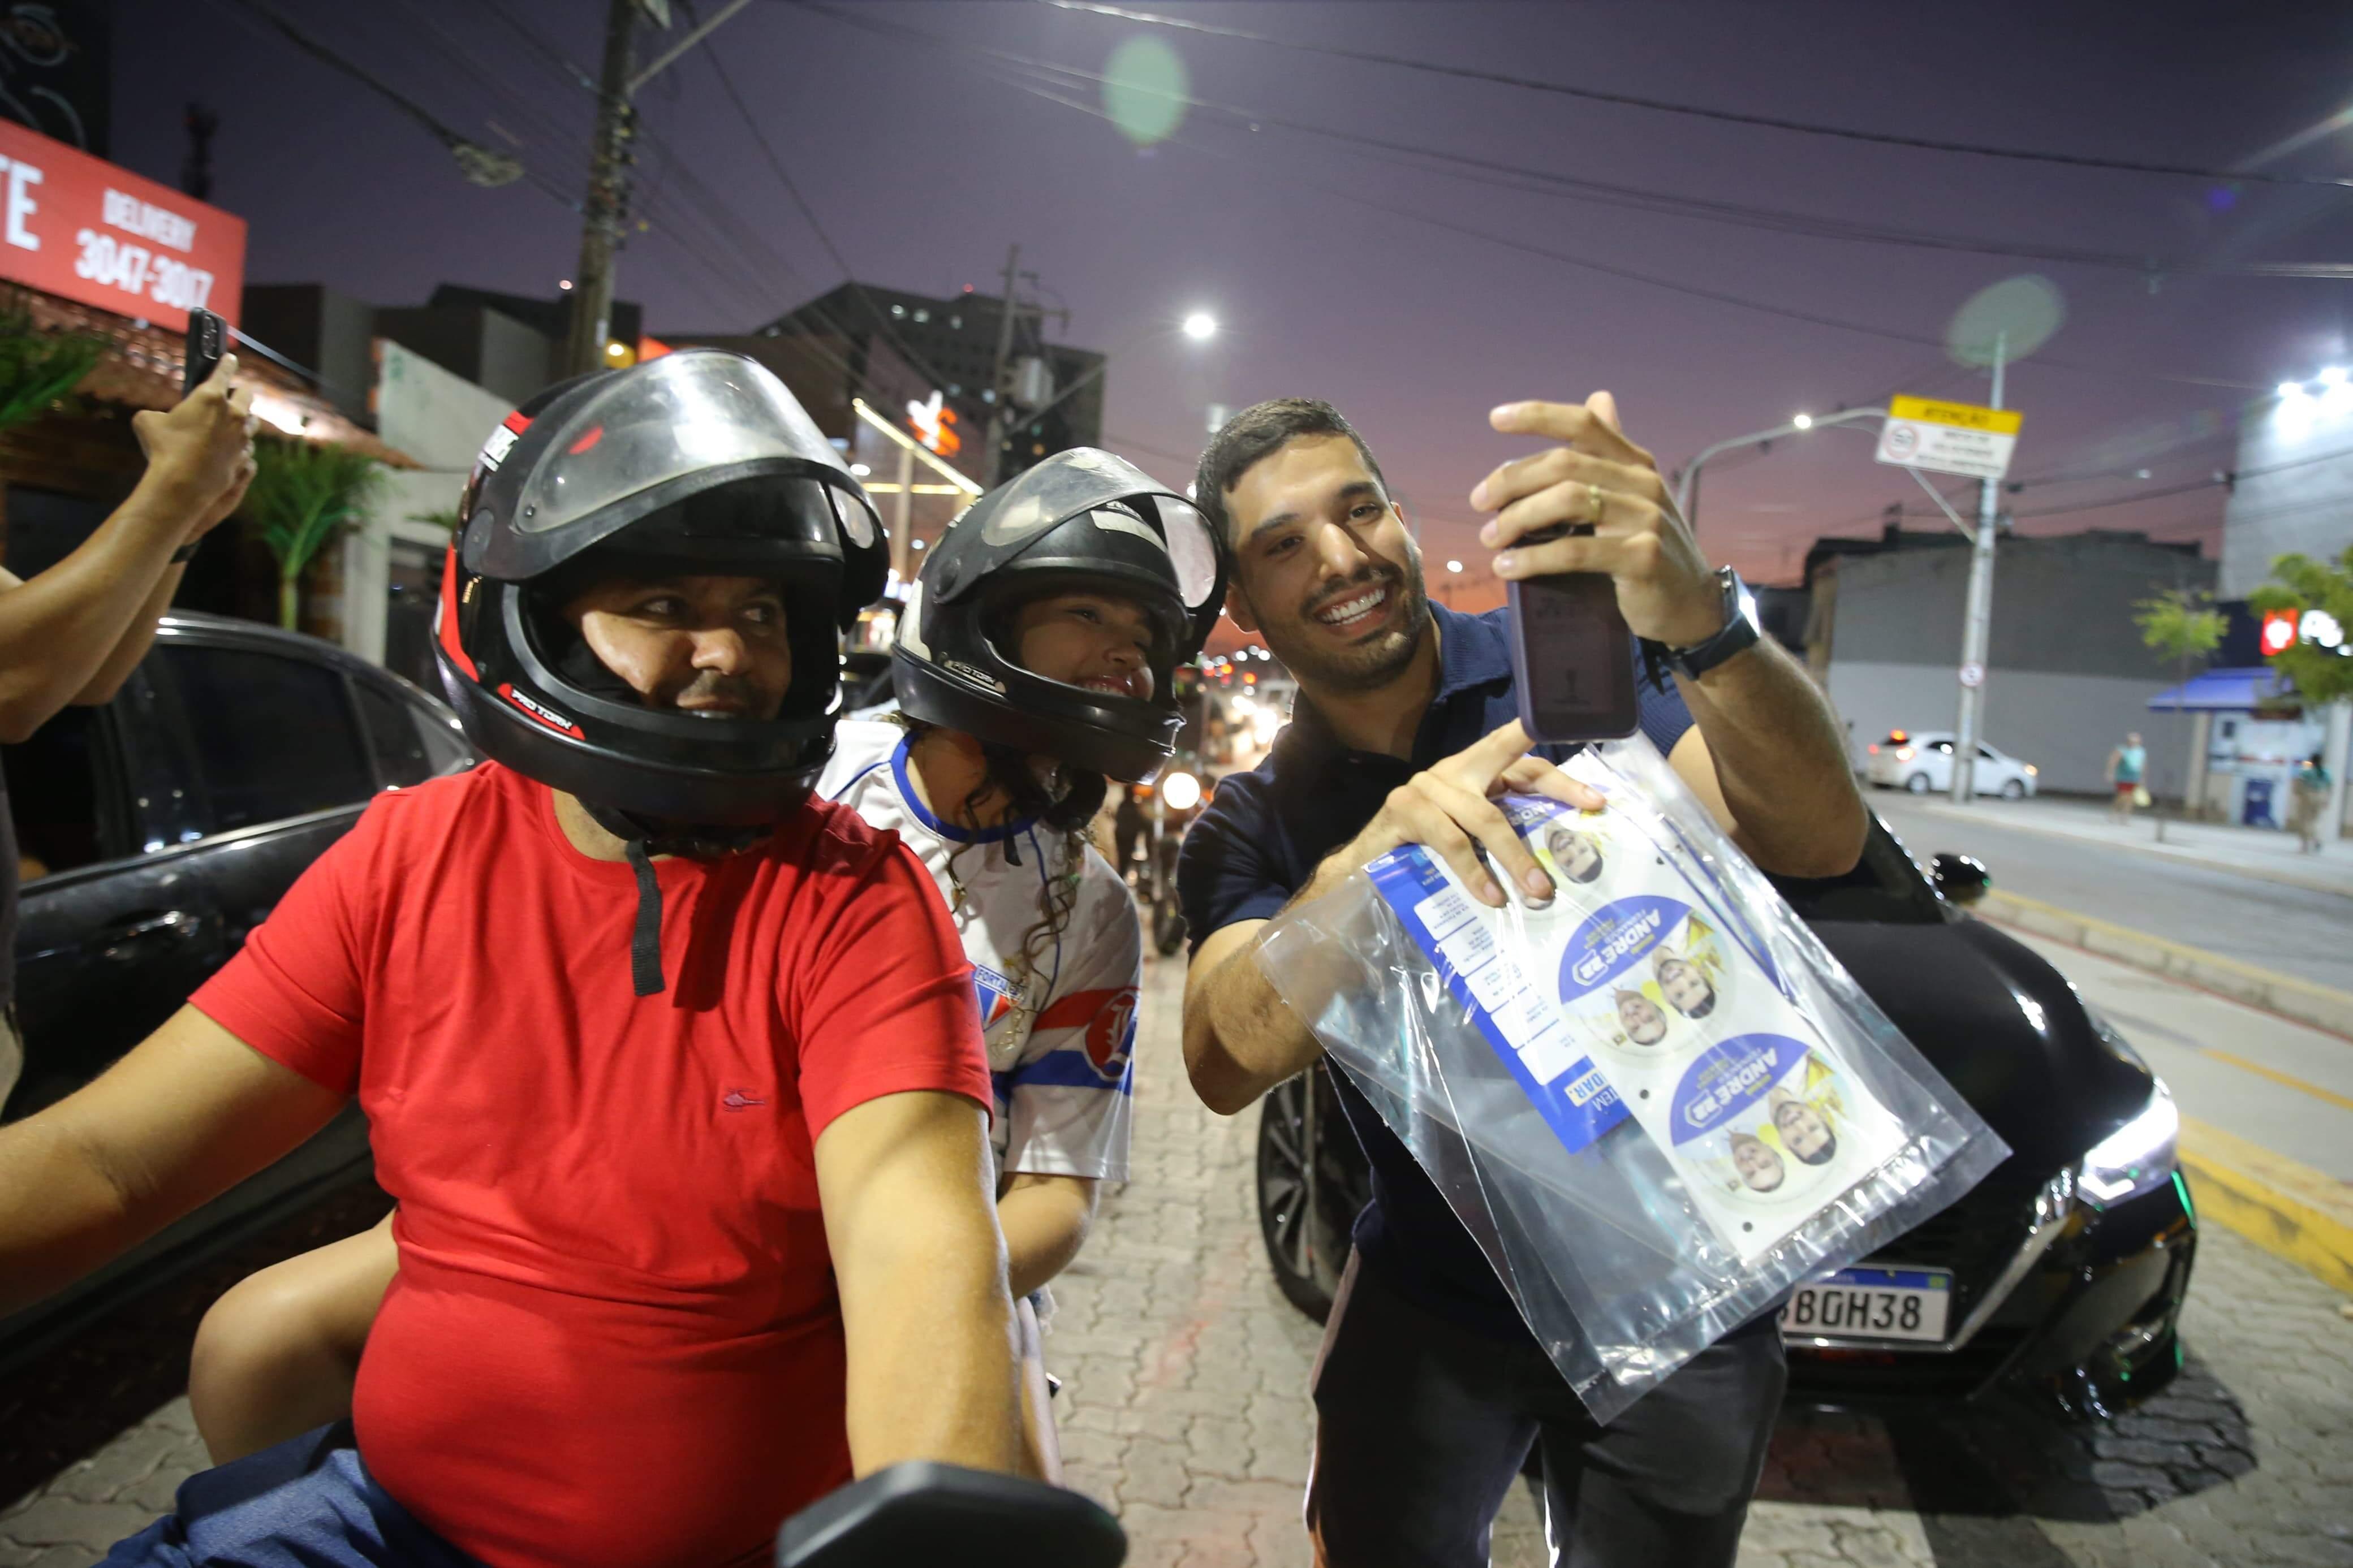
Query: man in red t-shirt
point(675, 1073)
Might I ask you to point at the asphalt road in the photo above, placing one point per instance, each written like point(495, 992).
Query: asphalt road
point(2296, 931)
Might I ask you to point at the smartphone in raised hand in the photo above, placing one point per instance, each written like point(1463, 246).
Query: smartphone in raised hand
point(1572, 655)
point(208, 341)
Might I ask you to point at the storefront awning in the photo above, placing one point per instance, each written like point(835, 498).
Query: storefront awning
point(2223, 691)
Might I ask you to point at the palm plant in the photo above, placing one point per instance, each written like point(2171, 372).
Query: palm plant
point(305, 493)
point(37, 369)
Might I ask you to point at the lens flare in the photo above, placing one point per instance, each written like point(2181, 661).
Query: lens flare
point(1144, 90)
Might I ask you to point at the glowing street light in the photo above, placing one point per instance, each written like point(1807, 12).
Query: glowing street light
point(2291, 389)
point(1200, 326)
point(2333, 376)
point(1803, 421)
point(1454, 566)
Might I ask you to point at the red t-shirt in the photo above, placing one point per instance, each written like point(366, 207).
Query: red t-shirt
point(615, 1337)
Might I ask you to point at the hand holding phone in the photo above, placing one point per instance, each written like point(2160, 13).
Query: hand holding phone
point(1572, 655)
point(208, 341)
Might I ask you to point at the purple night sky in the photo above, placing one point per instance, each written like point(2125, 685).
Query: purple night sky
point(923, 160)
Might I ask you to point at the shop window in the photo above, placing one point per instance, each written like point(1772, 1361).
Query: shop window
point(273, 737)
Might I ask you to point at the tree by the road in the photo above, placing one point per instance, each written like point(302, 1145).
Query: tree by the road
point(305, 493)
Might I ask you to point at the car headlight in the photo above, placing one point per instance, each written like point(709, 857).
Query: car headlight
point(1182, 791)
point(2137, 1157)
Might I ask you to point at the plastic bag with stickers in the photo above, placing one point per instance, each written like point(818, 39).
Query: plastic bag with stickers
point(1657, 1103)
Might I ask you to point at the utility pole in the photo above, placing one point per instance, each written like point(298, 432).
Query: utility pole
point(1977, 627)
point(605, 210)
point(999, 379)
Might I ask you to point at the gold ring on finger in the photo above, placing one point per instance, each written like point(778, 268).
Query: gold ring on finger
point(1593, 499)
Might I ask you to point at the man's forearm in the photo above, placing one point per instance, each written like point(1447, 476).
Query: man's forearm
point(61, 1214)
point(61, 628)
point(132, 645)
point(1781, 761)
point(1241, 1037)
point(932, 1364)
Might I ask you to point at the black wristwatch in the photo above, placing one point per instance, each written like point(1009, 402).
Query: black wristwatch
point(1738, 635)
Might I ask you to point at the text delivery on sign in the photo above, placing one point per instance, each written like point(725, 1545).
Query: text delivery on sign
point(79, 227)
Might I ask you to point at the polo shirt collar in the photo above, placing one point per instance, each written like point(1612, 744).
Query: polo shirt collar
point(1471, 653)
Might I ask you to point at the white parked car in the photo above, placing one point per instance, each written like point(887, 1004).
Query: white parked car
point(1921, 760)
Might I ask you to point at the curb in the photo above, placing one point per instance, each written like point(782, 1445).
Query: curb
point(2289, 1210)
point(2321, 1006)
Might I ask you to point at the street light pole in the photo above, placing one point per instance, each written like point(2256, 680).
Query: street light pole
point(1687, 478)
point(1977, 629)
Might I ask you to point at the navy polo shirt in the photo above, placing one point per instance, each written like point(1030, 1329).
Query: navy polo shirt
point(1260, 841)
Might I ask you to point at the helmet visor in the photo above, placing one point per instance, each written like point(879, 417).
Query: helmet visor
point(685, 413)
point(1086, 481)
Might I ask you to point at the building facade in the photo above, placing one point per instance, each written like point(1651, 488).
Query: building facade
point(2291, 490)
point(2069, 675)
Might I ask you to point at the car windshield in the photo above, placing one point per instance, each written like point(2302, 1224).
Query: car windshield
point(1885, 887)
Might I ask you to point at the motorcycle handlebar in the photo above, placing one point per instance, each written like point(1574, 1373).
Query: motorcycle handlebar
point(923, 1511)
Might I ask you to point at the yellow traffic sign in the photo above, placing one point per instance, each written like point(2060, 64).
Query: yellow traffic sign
point(1949, 437)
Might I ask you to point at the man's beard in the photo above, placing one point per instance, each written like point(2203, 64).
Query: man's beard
point(1371, 665)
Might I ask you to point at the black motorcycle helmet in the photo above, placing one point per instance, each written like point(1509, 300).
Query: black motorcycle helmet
point(1081, 519)
point(701, 461)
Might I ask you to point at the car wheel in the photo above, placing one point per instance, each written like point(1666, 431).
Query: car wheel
point(2014, 790)
point(1312, 1182)
point(1918, 783)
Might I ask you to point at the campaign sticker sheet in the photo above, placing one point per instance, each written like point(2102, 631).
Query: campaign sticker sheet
point(1642, 988)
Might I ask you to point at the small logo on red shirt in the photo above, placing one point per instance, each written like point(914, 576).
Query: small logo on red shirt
point(738, 1100)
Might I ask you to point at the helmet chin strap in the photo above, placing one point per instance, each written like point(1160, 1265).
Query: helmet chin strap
point(644, 839)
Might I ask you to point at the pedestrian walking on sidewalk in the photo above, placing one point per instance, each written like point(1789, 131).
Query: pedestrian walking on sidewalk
point(1430, 1391)
point(2308, 801)
point(2125, 765)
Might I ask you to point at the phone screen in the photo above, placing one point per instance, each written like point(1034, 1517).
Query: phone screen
point(1574, 659)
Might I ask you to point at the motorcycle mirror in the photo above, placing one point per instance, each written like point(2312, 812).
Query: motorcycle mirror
point(924, 1511)
point(1962, 879)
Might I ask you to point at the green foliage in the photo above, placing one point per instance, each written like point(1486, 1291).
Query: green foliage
point(304, 494)
point(37, 369)
point(2320, 675)
point(446, 518)
point(2179, 623)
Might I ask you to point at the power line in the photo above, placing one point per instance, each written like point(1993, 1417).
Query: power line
point(1702, 111)
point(1601, 193)
point(1507, 241)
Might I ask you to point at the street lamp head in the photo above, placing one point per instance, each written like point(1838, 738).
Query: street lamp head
point(1200, 325)
point(1803, 421)
point(1454, 566)
point(2333, 376)
point(2291, 389)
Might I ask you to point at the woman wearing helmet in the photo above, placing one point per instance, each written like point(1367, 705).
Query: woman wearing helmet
point(1036, 658)
point(666, 1060)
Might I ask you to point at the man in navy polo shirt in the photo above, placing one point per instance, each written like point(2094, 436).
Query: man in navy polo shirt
point(1430, 1391)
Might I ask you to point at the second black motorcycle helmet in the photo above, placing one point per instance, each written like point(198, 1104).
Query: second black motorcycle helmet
point(699, 461)
point(1081, 519)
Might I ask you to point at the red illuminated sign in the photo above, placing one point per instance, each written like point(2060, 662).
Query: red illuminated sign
point(2279, 632)
point(79, 227)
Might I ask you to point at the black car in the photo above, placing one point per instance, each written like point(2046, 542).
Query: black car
point(2062, 1272)
point(155, 832)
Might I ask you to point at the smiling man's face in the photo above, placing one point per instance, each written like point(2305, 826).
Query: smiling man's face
point(1324, 567)
point(713, 647)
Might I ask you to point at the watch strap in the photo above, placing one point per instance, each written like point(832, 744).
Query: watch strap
point(1738, 634)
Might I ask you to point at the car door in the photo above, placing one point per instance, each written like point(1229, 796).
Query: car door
point(111, 935)
point(277, 765)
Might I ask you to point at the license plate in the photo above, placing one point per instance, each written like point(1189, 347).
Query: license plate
point(1872, 1304)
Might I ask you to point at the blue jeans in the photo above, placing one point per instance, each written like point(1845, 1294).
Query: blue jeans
point(307, 1503)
